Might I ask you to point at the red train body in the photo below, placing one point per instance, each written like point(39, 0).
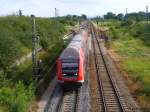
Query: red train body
point(71, 65)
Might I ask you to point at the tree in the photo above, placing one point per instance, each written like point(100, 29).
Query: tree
point(136, 16)
point(110, 15)
point(83, 16)
point(120, 16)
point(20, 12)
point(8, 50)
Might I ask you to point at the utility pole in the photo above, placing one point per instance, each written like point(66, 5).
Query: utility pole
point(147, 13)
point(125, 17)
point(20, 12)
point(56, 12)
point(126, 11)
point(34, 49)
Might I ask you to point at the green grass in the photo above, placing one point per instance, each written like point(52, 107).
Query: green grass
point(131, 48)
point(136, 63)
point(139, 70)
point(140, 67)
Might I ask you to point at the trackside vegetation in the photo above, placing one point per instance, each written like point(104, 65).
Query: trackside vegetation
point(130, 39)
point(17, 89)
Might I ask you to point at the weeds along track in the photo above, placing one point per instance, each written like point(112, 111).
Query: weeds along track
point(109, 94)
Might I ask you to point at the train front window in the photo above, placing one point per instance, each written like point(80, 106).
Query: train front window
point(70, 69)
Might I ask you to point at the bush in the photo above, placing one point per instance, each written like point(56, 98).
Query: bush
point(17, 99)
point(142, 31)
point(146, 89)
point(146, 36)
point(15, 37)
point(127, 23)
point(115, 33)
point(136, 30)
point(15, 41)
point(8, 49)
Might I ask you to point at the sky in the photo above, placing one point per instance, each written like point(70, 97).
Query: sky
point(45, 8)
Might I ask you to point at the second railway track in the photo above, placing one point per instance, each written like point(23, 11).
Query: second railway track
point(110, 99)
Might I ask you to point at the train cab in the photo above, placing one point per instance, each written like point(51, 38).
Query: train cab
point(70, 64)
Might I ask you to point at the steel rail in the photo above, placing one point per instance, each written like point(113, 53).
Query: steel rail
point(110, 77)
point(98, 78)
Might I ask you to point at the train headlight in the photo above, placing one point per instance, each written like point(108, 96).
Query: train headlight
point(64, 74)
point(76, 74)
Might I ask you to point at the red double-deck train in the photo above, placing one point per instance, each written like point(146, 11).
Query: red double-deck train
point(71, 64)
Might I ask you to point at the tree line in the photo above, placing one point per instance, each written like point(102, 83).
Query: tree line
point(137, 16)
point(70, 19)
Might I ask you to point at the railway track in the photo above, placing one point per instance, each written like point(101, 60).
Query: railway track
point(106, 95)
point(109, 94)
point(69, 101)
point(69, 98)
point(62, 100)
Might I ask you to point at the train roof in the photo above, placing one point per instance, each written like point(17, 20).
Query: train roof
point(72, 50)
